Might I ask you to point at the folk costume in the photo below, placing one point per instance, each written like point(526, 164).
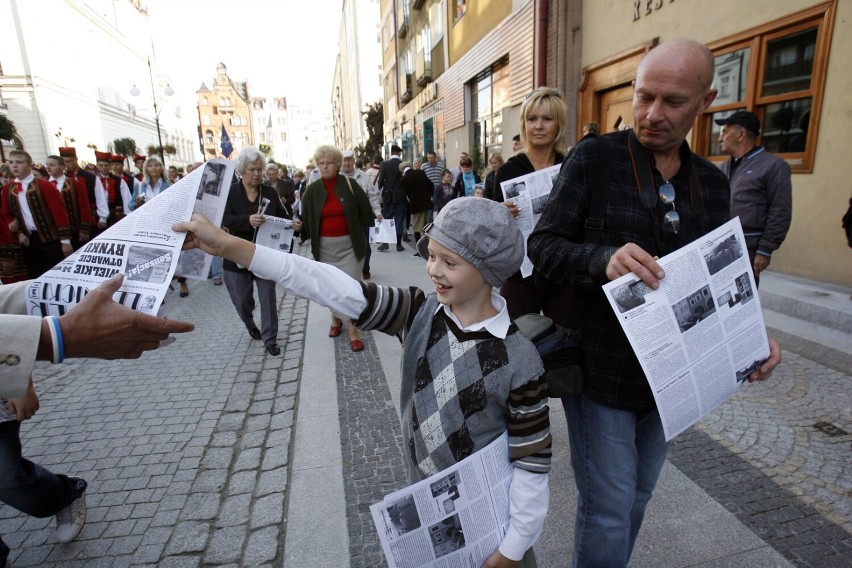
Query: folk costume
point(76, 199)
point(97, 194)
point(41, 215)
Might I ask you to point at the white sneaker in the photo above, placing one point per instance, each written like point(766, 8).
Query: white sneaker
point(70, 520)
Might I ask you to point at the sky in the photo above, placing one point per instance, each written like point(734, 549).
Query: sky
point(282, 47)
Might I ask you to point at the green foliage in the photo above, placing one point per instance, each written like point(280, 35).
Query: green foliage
point(7, 128)
point(374, 117)
point(124, 146)
point(476, 158)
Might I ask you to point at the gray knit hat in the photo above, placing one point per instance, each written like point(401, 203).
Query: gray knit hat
point(480, 231)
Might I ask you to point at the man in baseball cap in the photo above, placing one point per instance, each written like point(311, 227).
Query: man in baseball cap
point(761, 187)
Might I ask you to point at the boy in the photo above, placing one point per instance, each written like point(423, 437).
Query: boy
point(468, 374)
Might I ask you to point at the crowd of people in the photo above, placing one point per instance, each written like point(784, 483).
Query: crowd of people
point(468, 374)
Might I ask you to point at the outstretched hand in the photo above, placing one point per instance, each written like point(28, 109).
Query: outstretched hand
point(102, 328)
point(204, 235)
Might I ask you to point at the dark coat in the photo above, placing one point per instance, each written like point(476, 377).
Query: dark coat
point(388, 181)
point(459, 186)
point(356, 209)
point(418, 188)
point(238, 209)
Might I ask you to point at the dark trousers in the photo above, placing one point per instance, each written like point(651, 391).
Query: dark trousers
point(369, 251)
point(28, 487)
point(40, 257)
point(395, 211)
point(239, 285)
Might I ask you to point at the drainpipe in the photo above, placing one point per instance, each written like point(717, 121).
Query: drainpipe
point(541, 44)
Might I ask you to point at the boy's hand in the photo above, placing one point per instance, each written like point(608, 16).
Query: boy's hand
point(24, 408)
point(497, 560)
point(202, 234)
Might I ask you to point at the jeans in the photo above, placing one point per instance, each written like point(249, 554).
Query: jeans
point(216, 267)
point(28, 487)
point(617, 457)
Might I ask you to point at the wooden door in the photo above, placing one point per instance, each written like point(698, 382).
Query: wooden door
point(616, 109)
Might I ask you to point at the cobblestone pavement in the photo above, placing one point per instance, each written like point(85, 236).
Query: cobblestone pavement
point(768, 457)
point(185, 450)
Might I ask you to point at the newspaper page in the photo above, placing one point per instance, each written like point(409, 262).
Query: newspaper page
point(457, 517)
point(530, 193)
point(701, 333)
point(276, 233)
point(142, 246)
point(383, 231)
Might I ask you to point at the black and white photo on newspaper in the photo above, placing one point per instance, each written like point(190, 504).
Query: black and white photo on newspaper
point(701, 333)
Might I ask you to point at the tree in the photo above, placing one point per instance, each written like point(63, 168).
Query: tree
point(374, 117)
point(7, 132)
point(124, 147)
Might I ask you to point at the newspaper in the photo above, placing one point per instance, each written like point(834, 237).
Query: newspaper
point(530, 193)
point(457, 517)
point(276, 233)
point(142, 246)
point(383, 232)
point(701, 333)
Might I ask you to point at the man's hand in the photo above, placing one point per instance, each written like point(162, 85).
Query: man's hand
point(23, 239)
point(765, 370)
point(632, 258)
point(761, 263)
point(102, 328)
point(513, 208)
point(297, 225)
point(24, 408)
point(497, 560)
point(102, 224)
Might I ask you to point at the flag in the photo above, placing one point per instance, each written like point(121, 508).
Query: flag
point(225, 144)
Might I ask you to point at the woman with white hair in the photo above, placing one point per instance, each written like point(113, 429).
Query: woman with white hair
point(242, 217)
point(335, 211)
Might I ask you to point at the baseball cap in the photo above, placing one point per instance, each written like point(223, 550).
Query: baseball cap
point(747, 120)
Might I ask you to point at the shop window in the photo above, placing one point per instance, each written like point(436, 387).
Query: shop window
point(778, 72)
point(489, 94)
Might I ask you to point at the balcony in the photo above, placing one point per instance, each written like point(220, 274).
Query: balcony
point(406, 95)
point(417, 4)
point(423, 70)
point(403, 26)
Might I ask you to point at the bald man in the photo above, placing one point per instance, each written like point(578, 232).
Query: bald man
point(616, 436)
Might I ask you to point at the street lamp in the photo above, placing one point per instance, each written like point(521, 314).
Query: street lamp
point(168, 91)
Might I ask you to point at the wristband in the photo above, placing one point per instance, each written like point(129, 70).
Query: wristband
point(56, 337)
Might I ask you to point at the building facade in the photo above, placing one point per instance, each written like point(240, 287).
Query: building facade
point(55, 101)
point(357, 76)
point(456, 71)
point(790, 65)
point(226, 105)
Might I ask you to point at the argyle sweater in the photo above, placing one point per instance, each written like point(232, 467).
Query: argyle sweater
point(461, 389)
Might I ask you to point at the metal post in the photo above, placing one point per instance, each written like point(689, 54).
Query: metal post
point(156, 113)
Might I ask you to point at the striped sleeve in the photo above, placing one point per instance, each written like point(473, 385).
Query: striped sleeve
point(529, 426)
point(390, 310)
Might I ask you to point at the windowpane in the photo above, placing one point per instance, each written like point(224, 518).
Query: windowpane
point(715, 129)
point(790, 63)
point(731, 76)
point(785, 126)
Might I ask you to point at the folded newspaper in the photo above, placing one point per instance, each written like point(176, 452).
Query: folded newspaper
point(457, 517)
point(701, 333)
point(530, 192)
point(142, 246)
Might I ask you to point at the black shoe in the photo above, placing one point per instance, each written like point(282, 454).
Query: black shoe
point(406, 239)
point(365, 275)
point(400, 248)
point(273, 349)
point(383, 246)
point(416, 254)
point(255, 333)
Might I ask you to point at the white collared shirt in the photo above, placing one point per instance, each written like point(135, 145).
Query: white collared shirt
point(22, 202)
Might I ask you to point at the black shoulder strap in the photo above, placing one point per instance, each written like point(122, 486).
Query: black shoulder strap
point(600, 189)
